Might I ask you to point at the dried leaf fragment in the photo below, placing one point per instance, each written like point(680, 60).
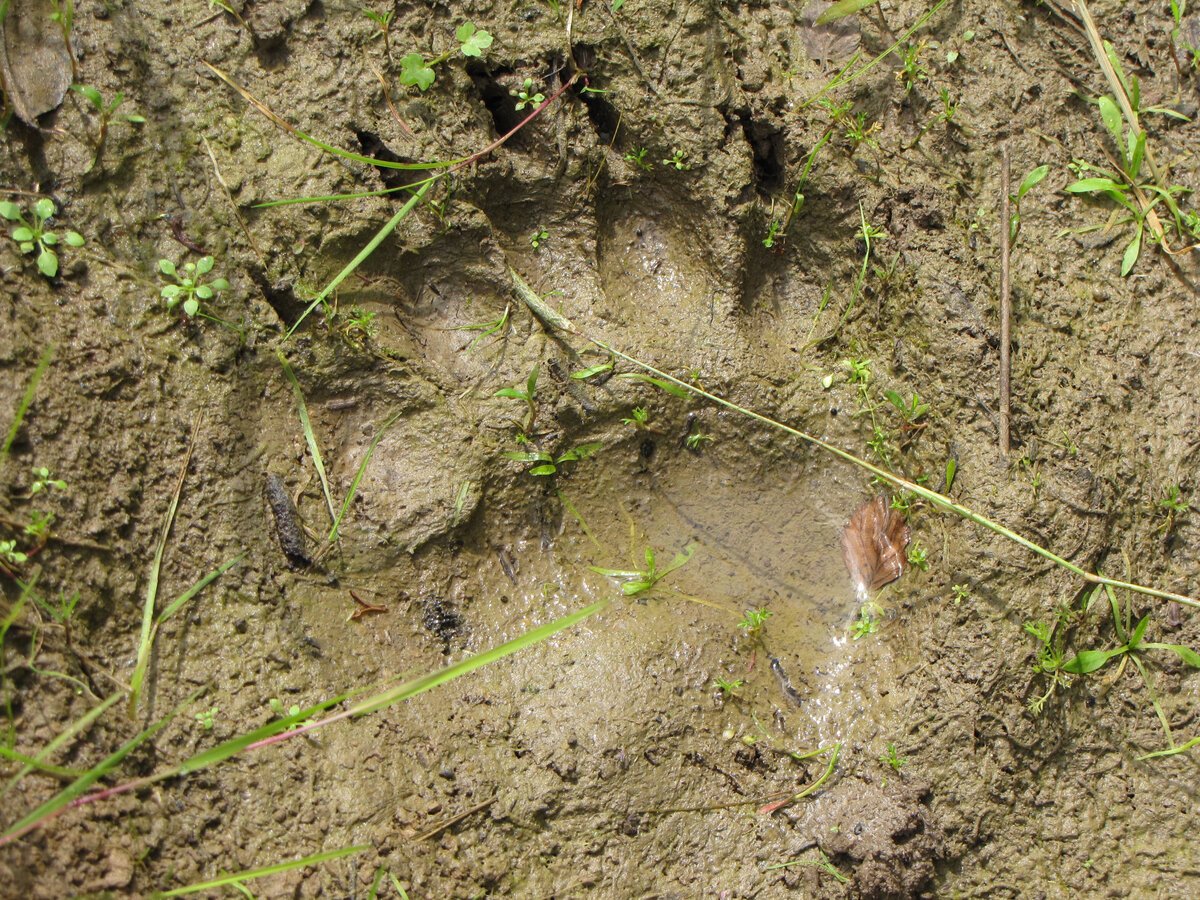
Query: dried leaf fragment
point(873, 546)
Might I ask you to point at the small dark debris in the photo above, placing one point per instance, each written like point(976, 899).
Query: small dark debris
point(287, 522)
point(441, 620)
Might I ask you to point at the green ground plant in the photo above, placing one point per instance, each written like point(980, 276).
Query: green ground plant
point(725, 686)
point(753, 621)
point(527, 96)
point(487, 329)
point(545, 463)
point(891, 758)
point(416, 71)
point(540, 236)
point(527, 396)
point(640, 580)
point(32, 235)
point(106, 112)
point(638, 158)
point(189, 287)
point(677, 160)
point(1030, 181)
point(384, 22)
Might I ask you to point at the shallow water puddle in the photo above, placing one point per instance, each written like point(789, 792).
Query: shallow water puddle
point(764, 544)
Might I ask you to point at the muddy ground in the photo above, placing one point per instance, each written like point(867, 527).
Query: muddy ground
point(581, 763)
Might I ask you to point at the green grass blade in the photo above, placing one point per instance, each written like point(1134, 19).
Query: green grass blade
point(310, 436)
point(841, 9)
point(363, 254)
point(1174, 750)
point(33, 763)
point(77, 788)
point(337, 522)
point(265, 870)
point(147, 636)
point(433, 679)
point(26, 400)
point(197, 588)
point(81, 724)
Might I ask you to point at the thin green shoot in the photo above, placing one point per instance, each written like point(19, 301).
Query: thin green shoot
point(592, 370)
point(545, 463)
point(1029, 183)
point(911, 411)
point(224, 880)
point(726, 686)
point(753, 621)
point(660, 383)
point(310, 436)
point(779, 804)
point(822, 863)
point(362, 467)
point(26, 401)
point(641, 580)
point(841, 9)
point(460, 500)
point(527, 396)
point(891, 758)
point(570, 507)
point(487, 329)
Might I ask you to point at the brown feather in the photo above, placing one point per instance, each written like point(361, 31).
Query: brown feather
point(873, 546)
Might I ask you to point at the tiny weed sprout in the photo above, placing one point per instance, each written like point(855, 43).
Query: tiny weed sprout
point(540, 236)
point(415, 71)
point(1174, 501)
point(1124, 184)
point(42, 480)
point(39, 524)
point(857, 132)
point(487, 329)
point(526, 396)
point(860, 370)
point(1031, 181)
point(910, 411)
point(358, 322)
point(677, 160)
point(640, 418)
point(772, 231)
point(9, 554)
point(867, 621)
point(384, 21)
point(918, 556)
point(527, 97)
point(754, 620)
point(914, 70)
point(695, 440)
point(638, 158)
point(188, 287)
point(32, 235)
point(727, 687)
point(205, 718)
point(961, 592)
point(549, 464)
point(639, 580)
point(107, 112)
point(892, 758)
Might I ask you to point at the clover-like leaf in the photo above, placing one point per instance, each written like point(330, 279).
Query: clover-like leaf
point(414, 71)
point(473, 42)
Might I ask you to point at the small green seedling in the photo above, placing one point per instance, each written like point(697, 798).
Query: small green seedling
point(961, 592)
point(39, 524)
point(772, 231)
point(910, 411)
point(1029, 183)
point(696, 439)
point(860, 370)
point(1124, 185)
point(10, 554)
point(487, 328)
point(914, 69)
point(641, 418)
point(638, 158)
point(639, 580)
point(415, 71)
point(677, 160)
point(42, 480)
point(753, 621)
point(188, 287)
point(727, 687)
point(548, 463)
point(205, 718)
point(540, 236)
point(356, 324)
point(1174, 501)
point(32, 233)
point(918, 555)
point(277, 708)
point(384, 21)
point(107, 112)
point(858, 133)
point(951, 471)
point(892, 758)
point(526, 396)
point(867, 621)
point(526, 96)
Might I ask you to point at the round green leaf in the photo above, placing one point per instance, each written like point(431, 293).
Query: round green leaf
point(49, 237)
point(74, 238)
point(204, 292)
point(22, 234)
point(191, 306)
point(44, 208)
point(48, 263)
point(166, 267)
point(205, 265)
point(171, 293)
point(9, 210)
point(219, 284)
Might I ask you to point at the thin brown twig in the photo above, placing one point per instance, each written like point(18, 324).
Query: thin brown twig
point(1005, 305)
point(232, 205)
point(454, 819)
